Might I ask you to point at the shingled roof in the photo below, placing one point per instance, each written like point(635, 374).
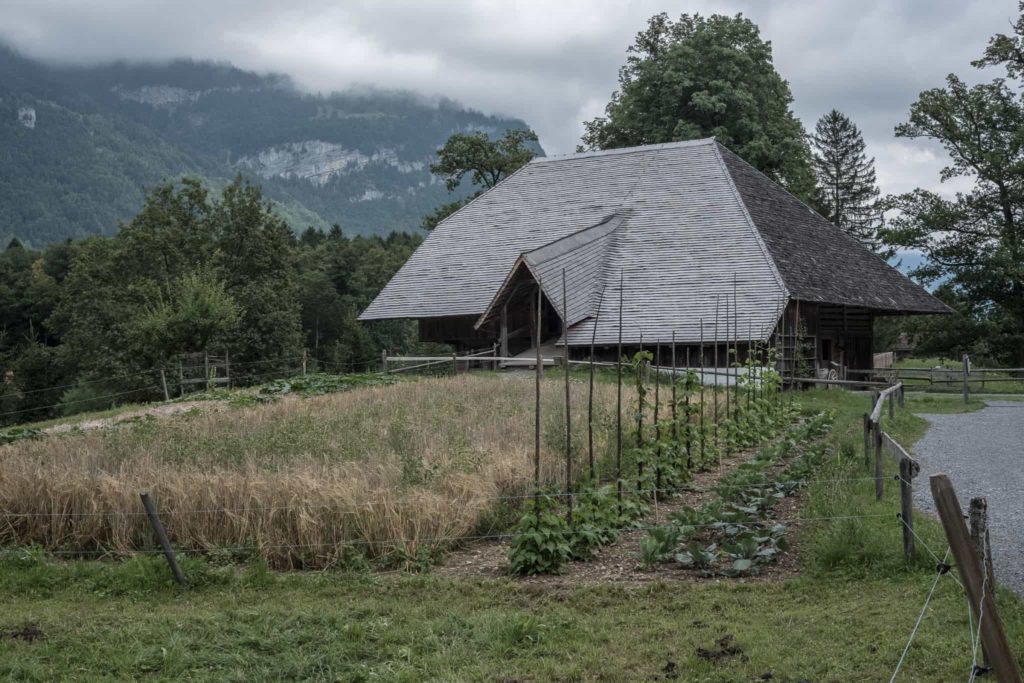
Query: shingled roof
point(684, 224)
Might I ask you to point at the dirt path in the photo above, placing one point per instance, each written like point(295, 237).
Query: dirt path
point(114, 420)
point(620, 561)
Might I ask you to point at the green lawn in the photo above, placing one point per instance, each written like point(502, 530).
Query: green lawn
point(845, 618)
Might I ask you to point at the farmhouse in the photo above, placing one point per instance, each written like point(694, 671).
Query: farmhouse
point(687, 238)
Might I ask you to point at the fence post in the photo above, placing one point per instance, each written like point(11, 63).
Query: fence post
point(163, 382)
point(867, 440)
point(455, 363)
point(967, 372)
point(892, 405)
point(982, 601)
point(165, 543)
point(879, 482)
point(978, 513)
point(181, 378)
point(494, 353)
point(227, 366)
point(907, 474)
point(902, 397)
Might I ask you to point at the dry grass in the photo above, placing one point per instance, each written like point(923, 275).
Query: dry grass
point(383, 469)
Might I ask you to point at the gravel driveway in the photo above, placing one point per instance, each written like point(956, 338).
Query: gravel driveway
point(983, 454)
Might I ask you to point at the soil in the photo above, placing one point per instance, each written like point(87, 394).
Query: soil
point(619, 562)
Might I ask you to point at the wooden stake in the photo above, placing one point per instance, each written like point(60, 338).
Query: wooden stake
point(686, 414)
point(568, 421)
point(537, 377)
point(618, 403)
point(979, 595)
point(161, 534)
point(163, 382)
point(967, 372)
point(702, 436)
point(675, 410)
point(714, 396)
point(867, 440)
point(590, 396)
point(978, 513)
point(657, 427)
point(908, 471)
point(879, 482)
point(640, 420)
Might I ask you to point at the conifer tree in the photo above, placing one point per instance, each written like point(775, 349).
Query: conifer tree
point(848, 190)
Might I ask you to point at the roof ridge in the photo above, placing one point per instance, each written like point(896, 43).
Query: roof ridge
point(622, 150)
point(755, 231)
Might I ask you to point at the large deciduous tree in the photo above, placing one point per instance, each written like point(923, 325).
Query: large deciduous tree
point(699, 77)
point(487, 162)
point(847, 187)
point(976, 238)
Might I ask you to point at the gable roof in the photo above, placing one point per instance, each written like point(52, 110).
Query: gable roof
point(818, 261)
point(683, 223)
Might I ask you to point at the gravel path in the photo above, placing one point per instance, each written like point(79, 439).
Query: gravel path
point(983, 454)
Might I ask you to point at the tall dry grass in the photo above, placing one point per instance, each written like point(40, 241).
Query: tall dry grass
point(381, 469)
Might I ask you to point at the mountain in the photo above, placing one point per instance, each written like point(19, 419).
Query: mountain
point(79, 146)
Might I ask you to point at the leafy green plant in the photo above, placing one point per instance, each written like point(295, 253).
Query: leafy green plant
point(318, 384)
point(596, 521)
point(698, 556)
point(541, 541)
point(659, 544)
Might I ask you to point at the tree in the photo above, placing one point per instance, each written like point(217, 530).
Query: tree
point(487, 162)
point(976, 239)
point(700, 77)
point(848, 190)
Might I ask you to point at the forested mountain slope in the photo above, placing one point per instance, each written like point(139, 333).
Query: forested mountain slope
point(80, 145)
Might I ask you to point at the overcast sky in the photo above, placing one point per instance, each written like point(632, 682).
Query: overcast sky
point(552, 63)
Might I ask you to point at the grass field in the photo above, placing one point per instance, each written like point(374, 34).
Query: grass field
point(844, 617)
point(978, 382)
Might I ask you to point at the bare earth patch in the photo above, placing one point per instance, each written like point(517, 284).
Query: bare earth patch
point(620, 561)
point(114, 420)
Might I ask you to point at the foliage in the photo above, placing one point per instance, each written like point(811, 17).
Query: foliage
point(848, 190)
point(487, 162)
point(541, 541)
point(974, 239)
point(18, 433)
point(96, 148)
point(659, 544)
point(699, 77)
point(193, 271)
point(318, 384)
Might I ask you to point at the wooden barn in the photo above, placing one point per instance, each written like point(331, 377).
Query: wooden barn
point(687, 238)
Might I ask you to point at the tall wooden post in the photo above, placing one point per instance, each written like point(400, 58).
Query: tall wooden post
point(590, 396)
point(618, 403)
point(978, 514)
point(383, 361)
point(867, 440)
point(536, 423)
point(702, 436)
point(568, 420)
point(967, 372)
point(163, 383)
point(640, 421)
point(892, 404)
point(972, 574)
point(879, 473)
point(657, 427)
point(714, 395)
point(907, 474)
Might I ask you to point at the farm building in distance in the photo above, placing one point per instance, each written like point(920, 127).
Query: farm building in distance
point(705, 247)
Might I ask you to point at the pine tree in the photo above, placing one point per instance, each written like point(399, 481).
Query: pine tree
point(846, 179)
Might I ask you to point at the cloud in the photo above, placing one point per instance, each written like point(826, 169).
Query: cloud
point(552, 64)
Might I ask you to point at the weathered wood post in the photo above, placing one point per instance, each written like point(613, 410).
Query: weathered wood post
point(978, 514)
point(903, 400)
point(181, 378)
point(657, 427)
point(455, 361)
point(703, 437)
point(568, 420)
point(879, 469)
point(590, 396)
point(536, 427)
point(163, 383)
point(982, 601)
point(206, 368)
point(907, 473)
point(618, 403)
point(867, 440)
point(161, 534)
point(494, 356)
point(967, 372)
point(892, 404)
point(227, 367)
